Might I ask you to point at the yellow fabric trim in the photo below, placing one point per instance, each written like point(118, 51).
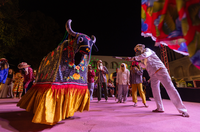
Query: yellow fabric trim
point(50, 108)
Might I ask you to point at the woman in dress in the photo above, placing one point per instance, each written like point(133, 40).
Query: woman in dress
point(18, 84)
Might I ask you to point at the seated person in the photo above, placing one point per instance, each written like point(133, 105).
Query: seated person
point(111, 87)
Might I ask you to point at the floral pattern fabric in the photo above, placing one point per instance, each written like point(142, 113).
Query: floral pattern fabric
point(59, 66)
point(175, 23)
point(18, 84)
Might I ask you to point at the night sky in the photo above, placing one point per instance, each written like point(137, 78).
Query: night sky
point(116, 25)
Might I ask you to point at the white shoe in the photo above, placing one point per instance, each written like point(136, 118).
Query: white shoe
point(146, 105)
point(135, 105)
point(185, 114)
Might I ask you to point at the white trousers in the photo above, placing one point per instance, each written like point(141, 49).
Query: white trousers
point(122, 92)
point(163, 77)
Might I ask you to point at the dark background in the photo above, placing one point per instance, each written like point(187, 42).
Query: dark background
point(116, 25)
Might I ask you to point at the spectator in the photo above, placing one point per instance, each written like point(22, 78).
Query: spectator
point(9, 82)
point(4, 66)
point(114, 76)
point(136, 83)
point(18, 84)
point(111, 87)
point(91, 75)
point(102, 80)
point(123, 78)
point(34, 76)
point(28, 75)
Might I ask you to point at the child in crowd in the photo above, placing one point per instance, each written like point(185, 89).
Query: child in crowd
point(111, 87)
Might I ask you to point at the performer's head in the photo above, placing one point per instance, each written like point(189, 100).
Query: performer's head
point(139, 48)
point(123, 67)
point(10, 71)
point(24, 67)
point(135, 64)
point(100, 64)
point(89, 67)
point(3, 63)
point(117, 69)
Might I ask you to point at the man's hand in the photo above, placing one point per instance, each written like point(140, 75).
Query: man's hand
point(136, 68)
point(128, 58)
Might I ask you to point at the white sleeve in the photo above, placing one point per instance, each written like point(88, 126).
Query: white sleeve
point(147, 52)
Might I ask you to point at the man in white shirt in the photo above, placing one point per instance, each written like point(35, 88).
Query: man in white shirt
point(158, 73)
point(123, 81)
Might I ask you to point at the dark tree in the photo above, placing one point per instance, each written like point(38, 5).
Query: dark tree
point(44, 36)
point(26, 36)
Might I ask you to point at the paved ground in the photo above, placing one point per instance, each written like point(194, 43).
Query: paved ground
point(106, 117)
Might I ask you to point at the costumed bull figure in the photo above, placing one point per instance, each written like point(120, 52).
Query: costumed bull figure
point(61, 82)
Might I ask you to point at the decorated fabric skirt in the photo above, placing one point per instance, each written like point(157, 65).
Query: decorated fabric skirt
point(50, 104)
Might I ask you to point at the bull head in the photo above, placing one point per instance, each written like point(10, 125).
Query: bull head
point(84, 43)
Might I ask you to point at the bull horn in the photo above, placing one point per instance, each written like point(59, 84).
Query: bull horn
point(93, 39)
point(68, 28)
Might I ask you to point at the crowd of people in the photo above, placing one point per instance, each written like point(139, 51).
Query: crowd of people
point(14, 84)
point(124, 83)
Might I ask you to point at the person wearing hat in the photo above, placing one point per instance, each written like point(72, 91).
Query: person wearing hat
point(91, 75)
point(28, 75)
point(102, 80)
point(136, 73)
point(4, 67)
point(158, 73)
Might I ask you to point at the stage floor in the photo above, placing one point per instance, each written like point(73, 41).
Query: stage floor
point(106, 117)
